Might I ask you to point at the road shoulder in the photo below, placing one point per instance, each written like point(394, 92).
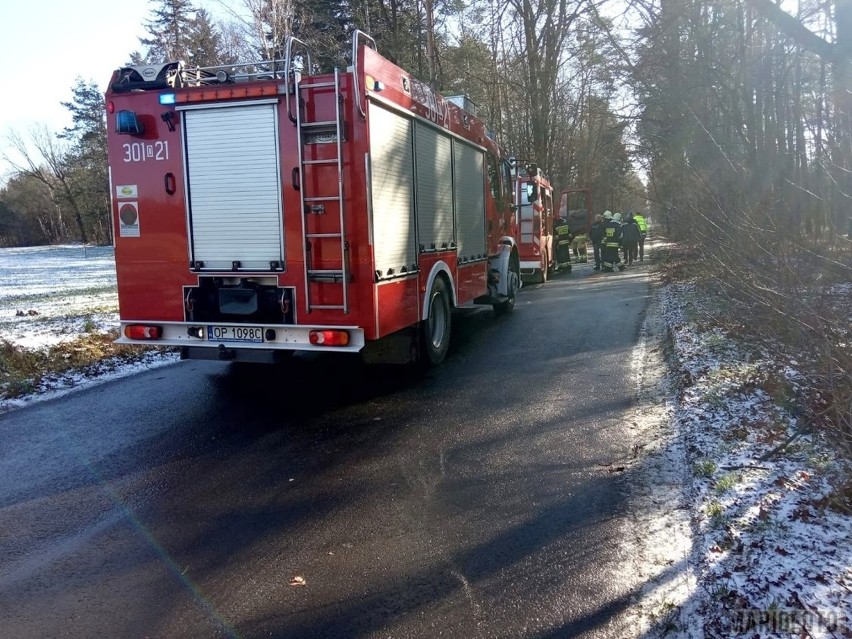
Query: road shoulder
point(733, 530)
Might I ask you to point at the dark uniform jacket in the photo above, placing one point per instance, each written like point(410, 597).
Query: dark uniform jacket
point(612, 233)
point(597, 233)
point(562, 231)
point(630, 232)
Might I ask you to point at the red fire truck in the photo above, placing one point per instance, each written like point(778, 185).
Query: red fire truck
point(260, 209)
point(534, 218)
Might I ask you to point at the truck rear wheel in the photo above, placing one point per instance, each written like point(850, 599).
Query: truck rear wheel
point(435, 328)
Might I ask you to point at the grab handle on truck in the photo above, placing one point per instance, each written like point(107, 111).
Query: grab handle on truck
point(170, 183)
point(290, 74)
point(355, 34)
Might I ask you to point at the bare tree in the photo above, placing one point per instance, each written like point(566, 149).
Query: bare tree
point(50, 167)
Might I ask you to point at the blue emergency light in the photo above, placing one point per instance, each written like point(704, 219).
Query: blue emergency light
point(167, 98)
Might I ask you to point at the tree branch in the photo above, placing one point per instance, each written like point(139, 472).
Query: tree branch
point(792, 28)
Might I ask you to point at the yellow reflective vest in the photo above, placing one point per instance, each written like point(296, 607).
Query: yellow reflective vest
point(563, 233)
point(643, 225)
point(612, 234)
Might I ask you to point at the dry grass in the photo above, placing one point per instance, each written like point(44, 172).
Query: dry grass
point(23, 370)
point(792, 299)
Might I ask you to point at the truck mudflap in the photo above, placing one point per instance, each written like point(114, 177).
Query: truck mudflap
point(230, 337)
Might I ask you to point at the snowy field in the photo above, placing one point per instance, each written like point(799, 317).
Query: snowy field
point(55, 294)
point(52, 293)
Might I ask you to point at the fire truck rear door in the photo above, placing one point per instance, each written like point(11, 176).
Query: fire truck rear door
point(234, 186)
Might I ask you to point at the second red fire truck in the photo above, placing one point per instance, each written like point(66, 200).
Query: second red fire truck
point(260, 209)
point(534, 216)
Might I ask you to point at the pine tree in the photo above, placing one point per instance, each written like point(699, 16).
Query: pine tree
point(88, 129)
point(204, 44)
point(171, 30)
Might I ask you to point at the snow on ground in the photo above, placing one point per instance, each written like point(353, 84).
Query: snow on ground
point(771, 557)
point(55, 294)
point(731, 533)
point(657, 535)
point(107, 370)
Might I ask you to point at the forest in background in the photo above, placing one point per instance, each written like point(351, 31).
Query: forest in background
point(730, 121)
point(725, 106)
point(544, 77)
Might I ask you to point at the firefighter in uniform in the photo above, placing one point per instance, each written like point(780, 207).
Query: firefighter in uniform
point(643, 233)
point(596, 236)
point(578, 245)
point(611, 243)
point(630, 239)
point(562, 244)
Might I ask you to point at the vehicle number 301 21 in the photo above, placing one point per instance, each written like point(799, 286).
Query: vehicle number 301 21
point(141, 152)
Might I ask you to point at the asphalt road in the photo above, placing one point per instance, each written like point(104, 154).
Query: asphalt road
point(476, 500)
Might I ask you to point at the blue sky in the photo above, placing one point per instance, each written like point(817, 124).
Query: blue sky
point(46, 44)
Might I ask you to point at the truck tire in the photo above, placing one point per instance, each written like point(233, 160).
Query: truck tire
point(507, 306)
point(435, 336)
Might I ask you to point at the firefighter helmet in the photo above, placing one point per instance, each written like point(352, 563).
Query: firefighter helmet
point(617, 217)
point(607, 215)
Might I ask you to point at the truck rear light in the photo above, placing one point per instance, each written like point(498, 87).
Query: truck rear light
point(329, 338)
point(142, 331)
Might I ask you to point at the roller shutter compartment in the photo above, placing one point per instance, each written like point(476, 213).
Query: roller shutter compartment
point(434, 161)
point(392, 196)
point(469, 193)
point(234, 187)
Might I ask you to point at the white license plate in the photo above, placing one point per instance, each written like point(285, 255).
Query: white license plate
point(234, 334)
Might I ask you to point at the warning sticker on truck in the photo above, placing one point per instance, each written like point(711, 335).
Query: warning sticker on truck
point(128, 219)
point(124, 191)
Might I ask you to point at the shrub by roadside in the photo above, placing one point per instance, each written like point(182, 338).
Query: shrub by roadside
point(24, 371)
point(769, 488)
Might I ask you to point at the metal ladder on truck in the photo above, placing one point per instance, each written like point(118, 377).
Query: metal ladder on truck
point(315, 204)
